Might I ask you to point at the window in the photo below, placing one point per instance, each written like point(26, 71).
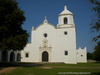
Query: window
point(27, 55)
point(65, 32)
point(66, 52)
point(45, 34)
point(65, 20)
point(81, 55)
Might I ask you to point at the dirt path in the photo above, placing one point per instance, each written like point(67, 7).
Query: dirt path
point(49, 67)
point(6, 70)
point(78, 67)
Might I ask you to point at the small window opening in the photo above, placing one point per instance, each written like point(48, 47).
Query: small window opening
point(65, 32)
point(27, 55)
point(66, 52)
point(65, 20)
point(81, 55)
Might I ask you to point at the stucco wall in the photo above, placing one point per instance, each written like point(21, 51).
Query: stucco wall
point(57, 40)
point(81, 55)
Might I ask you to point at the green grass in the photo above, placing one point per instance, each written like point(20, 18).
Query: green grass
point(57, 71)
point(76, 65)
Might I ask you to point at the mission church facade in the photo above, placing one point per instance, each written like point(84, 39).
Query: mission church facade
point(51, 44)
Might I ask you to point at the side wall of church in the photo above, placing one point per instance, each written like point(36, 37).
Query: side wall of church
point(27, 53)
point(81, 55)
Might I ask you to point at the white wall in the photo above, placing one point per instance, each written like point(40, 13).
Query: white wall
point(69, 17)
point(81, 55)
point(57, 40)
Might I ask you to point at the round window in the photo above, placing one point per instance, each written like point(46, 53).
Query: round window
point(65, 32)
point(45, 34)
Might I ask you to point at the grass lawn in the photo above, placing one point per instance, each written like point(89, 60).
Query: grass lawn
point(75, 65)
point(58, 69)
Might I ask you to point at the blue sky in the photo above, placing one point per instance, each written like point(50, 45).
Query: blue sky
point(36, 10)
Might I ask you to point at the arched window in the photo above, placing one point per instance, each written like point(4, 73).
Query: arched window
point(18, 57)
point(12, 57)
point(65, 20)
point(5, 56)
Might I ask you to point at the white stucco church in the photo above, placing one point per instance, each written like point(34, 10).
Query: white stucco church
point(52, 44)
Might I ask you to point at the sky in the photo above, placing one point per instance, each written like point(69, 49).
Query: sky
point(36, 10)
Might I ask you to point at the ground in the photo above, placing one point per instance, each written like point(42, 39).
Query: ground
point(50, 69)
point(7, 69)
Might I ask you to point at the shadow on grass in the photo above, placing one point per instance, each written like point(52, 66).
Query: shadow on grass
point(18, 64)
point(97, 73)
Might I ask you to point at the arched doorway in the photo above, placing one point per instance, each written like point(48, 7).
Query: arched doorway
point(18, 57)
point(4, 56)
point(45, 56)
point(12, 57)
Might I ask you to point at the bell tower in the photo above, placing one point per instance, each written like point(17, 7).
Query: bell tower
point(65, 19)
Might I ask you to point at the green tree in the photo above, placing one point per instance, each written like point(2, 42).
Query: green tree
point(96, 28)
point(89, 56)
point(12, 35)
point(96, 22)
point(97, 52)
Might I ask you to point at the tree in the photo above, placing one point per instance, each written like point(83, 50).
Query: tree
point(96, 28)
point(12, 35)
point(97, 52)
point(89, 56)
point(96, 22)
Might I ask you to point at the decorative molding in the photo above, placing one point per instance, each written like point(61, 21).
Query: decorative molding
point(59, 27)
point(66, 14)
